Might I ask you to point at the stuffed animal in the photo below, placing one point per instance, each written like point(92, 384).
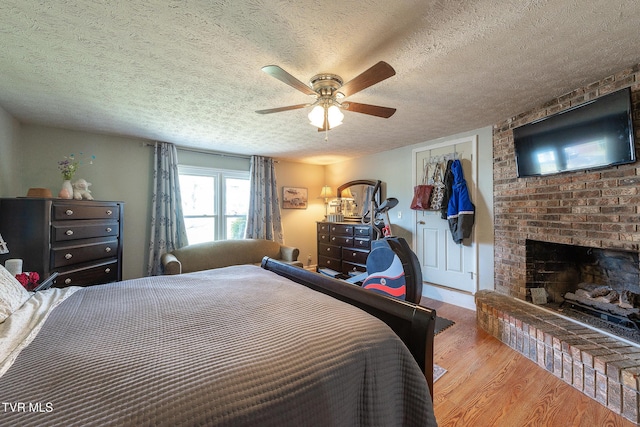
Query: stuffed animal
point(81, 190)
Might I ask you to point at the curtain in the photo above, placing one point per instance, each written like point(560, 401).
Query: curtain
point(168, 231)
point(263, 219)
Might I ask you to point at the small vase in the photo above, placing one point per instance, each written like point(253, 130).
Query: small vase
point(67, 190)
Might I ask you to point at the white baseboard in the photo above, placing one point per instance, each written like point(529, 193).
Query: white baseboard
point(450, 296)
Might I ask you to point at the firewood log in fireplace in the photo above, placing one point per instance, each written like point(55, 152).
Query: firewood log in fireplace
point(604, 298)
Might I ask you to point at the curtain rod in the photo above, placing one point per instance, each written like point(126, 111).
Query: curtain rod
point(203, 151)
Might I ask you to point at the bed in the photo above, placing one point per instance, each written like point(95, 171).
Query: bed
point(244, 345)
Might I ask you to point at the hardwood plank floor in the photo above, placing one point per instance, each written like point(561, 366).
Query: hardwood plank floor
point(489, 384)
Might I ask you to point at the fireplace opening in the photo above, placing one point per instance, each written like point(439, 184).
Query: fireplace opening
point(595, 286)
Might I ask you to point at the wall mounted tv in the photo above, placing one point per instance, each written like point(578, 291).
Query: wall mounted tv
point(592, 135)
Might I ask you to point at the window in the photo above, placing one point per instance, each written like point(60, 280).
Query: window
point(214, 202)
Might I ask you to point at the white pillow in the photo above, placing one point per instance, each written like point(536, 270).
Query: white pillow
point(12, 294)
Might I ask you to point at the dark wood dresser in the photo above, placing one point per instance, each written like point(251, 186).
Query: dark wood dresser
point(344, 246)
point(79, 239)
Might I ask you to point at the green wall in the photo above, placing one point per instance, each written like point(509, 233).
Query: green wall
point(123, 171)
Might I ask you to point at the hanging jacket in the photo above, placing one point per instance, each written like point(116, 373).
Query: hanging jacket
point(448, 188)
point(460, 212)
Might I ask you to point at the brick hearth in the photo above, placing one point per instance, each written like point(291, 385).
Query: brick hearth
point(603, 368)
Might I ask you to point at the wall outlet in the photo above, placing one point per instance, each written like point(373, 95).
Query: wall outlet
point(399, 214)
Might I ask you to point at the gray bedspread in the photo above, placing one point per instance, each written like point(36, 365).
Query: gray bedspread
point(237, 346)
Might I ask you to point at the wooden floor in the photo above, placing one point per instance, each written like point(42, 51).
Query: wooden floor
point(489, 384)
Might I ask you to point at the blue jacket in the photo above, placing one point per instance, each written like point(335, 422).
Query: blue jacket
point(460, 212)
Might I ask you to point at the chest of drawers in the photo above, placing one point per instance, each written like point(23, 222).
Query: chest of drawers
point(343, 246)
point(79, 239)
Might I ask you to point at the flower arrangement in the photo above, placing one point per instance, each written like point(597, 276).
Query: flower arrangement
point(28, 280)
point(70, 164)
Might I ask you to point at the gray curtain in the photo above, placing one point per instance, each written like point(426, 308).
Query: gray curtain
point(168, 231)
point(264, 220)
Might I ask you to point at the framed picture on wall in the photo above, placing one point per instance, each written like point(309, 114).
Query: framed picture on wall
point(294, 198)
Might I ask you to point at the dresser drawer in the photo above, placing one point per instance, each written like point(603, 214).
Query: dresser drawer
point(91, 275)
point(332, 263)
point(79, 211)
point(73, 230)
point(350, 267)
point(355, 255)
point(362, 244)
point(342, 229)
point(74, 254)
point(342, 240)
point(362, 231)
point(329, 251)
point(323, 228)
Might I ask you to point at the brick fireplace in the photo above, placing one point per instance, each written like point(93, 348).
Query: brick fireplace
point(598, 209)
point(559, 269)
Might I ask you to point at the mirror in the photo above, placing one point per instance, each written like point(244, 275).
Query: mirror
point(354, 199)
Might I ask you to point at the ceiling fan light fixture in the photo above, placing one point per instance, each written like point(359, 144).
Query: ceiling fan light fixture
point(316, 116)
point(334, 116)
point(329, 90)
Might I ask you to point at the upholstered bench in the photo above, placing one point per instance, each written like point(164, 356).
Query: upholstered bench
point(223, 253)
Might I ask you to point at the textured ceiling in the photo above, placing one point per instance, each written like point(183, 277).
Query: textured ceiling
point(188, 71)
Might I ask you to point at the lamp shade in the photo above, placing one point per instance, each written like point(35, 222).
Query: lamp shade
point(326, 192)
point(316, 116)
point(334, 116)
point(346, 194)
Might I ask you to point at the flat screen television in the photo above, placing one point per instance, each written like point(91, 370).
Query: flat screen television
point(592, 135)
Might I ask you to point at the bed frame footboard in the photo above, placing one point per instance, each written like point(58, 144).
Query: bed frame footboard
point(413, 323)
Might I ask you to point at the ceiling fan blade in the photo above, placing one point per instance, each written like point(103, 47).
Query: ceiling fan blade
point(372, 110)
point(283, 76)
point(373, 75)
point(277, 110)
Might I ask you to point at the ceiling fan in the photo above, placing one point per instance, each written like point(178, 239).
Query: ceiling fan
point(329, 91)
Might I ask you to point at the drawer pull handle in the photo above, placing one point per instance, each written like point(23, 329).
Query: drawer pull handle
point(68, 256)
point(354, 254)
point(69, 232)
point(328, 249)
point(108, 229)
point(69, 212)
point(107, 270)
point(109, 212)
point(107, 249)
point(67, 281)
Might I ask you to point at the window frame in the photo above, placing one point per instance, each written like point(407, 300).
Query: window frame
point(220, 193)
